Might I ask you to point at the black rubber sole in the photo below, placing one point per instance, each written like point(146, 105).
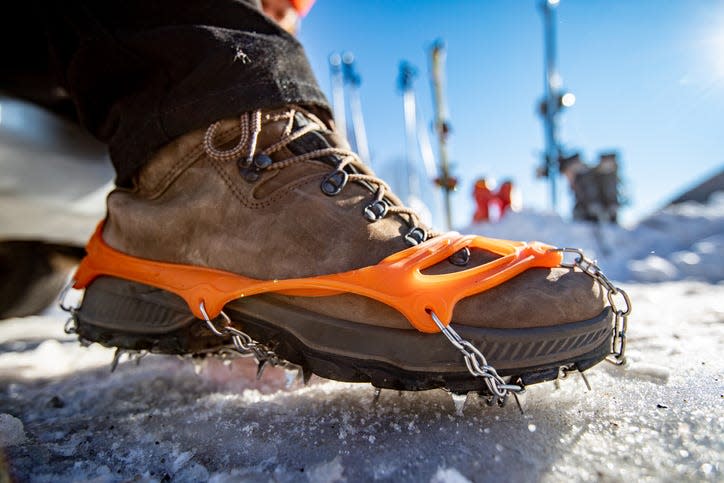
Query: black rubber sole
point(131, 316)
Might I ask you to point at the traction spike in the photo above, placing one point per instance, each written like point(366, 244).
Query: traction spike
point(517, 402)
point(261, 365)
point(585, 380)
point(198, 365)
point(376, 397)
point(137, 356)
point(116, 358)
point(306, 374)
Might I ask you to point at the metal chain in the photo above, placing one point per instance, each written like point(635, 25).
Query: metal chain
point(616, 296)
point(244, 345)
point(477, 364)
point(71, 323)
point(479, 367)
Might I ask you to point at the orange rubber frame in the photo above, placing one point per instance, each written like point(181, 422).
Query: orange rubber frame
point(397, 280)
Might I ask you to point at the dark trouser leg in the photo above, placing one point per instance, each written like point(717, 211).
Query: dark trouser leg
point(142, 73)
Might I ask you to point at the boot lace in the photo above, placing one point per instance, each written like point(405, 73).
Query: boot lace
point(349, 166)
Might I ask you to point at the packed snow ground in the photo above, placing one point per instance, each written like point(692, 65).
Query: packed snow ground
point(64, 416)
point(682, 242)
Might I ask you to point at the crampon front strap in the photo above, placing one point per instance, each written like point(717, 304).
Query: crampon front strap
point(397, 280)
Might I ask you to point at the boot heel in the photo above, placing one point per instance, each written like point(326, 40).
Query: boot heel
point(132, 316)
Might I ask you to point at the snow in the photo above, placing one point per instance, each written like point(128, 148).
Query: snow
point(683, 242)
point(65, 417)
point(11, 431)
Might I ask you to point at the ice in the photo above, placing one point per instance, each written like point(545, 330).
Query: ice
point(657, 374)
point(459, 402)
point(65, 417)
point(160, 418)
point(448, 475)
point(11, 431)
point(328, 472)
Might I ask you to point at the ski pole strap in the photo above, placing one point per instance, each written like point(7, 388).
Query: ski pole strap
point(397, 280)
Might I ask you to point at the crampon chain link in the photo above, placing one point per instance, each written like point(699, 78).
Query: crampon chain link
point(245, 346)
point(614, 294)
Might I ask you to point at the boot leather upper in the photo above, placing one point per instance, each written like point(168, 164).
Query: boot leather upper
point(186, 207)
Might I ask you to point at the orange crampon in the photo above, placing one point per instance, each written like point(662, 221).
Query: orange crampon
point(397, 280)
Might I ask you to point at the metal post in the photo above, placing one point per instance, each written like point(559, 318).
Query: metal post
point(352, 80)
point(338, 104)
point(442, 126)
point(551, 86)
point(406, 77)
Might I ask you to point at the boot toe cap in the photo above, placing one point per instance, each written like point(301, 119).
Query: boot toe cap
point(536, 298)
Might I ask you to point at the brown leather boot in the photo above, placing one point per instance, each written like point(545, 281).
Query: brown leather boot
point(277, 195)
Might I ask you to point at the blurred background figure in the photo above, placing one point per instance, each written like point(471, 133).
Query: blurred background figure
point(595, 188)
point(491, 205)
point(287, 13)
point(483, 198)
point(508, 198)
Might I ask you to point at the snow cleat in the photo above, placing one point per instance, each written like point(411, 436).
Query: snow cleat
point(268, 237)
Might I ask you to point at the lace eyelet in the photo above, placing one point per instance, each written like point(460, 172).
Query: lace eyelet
point(415, 236)
point(334, 182)
point(243, 163)
point(375, 210)
point(262, 161)
point(251, 176)
point(460, 258)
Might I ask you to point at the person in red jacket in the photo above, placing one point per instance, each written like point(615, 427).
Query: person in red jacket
point(483, 197)
point(504, 197)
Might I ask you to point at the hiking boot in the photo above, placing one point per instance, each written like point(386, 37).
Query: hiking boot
point(277, 195)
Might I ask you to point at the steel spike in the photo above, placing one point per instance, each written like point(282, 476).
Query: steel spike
point(261, 365)
point(585, 379)
point(376, 397)
point(306, 374)
point(137, 356)
point(517, 401)
point(198, 365)
point(116, 358)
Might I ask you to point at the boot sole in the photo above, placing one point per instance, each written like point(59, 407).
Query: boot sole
point(131, 316)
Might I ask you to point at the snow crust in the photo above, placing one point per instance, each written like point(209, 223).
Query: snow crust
point(11, 431)
point(682, 242)
point(65, 417)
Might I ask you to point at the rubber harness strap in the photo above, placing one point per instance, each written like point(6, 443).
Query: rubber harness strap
point(397, 280)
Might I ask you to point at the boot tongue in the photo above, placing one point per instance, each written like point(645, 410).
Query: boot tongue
point(312, 141)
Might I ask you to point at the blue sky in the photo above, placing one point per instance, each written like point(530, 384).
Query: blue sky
point(648, 78)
